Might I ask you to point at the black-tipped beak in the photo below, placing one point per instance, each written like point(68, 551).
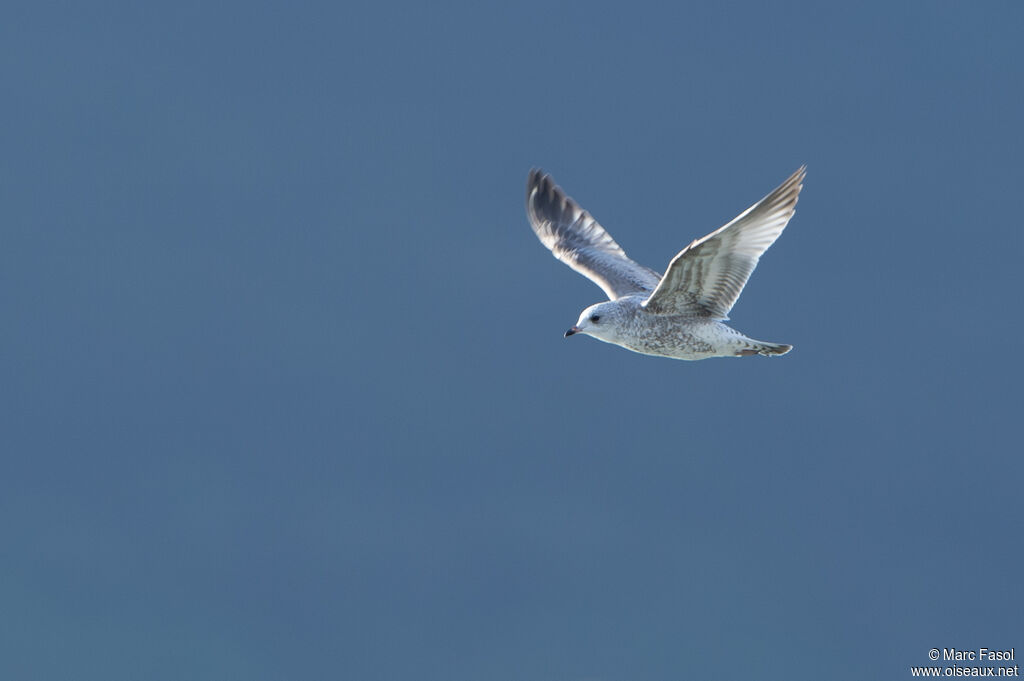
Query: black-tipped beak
point(571, 331)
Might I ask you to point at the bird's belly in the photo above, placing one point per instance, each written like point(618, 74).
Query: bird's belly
point(682, 338)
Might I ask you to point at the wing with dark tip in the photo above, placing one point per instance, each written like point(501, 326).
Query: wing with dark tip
point(707, 277)
point(578, 240)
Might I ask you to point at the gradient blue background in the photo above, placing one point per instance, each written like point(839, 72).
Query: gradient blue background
point(285, 393)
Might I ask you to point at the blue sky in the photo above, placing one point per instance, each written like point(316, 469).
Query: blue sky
point(286, 393)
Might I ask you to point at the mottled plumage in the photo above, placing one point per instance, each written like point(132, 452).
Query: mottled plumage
point(677, 315)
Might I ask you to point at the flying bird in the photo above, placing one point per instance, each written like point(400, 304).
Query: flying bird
point(680, 314)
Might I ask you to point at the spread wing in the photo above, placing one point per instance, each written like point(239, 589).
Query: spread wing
point(706, 277)
point(578, 240)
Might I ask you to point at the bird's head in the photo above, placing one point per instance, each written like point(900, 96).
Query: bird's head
point(600, 321)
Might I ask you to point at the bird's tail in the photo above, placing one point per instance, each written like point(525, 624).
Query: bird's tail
point(769, 349)
point(766, 349)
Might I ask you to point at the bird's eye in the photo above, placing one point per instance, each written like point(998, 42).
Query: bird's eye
point(595, 318)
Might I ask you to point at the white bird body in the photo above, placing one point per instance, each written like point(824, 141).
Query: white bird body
point(676, 336)
point(680, 314)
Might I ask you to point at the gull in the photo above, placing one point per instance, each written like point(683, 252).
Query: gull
point(681, 314)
